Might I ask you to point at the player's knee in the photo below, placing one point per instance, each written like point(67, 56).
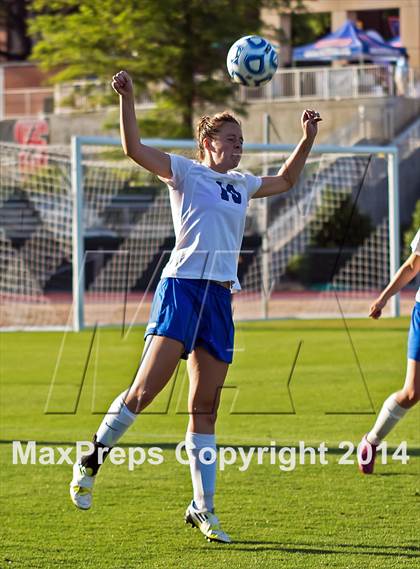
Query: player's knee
point(144, 397)
point(411, 395)
point(204, 413)
point(206, 407)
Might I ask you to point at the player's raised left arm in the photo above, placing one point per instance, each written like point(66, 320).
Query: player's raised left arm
point(291, 169)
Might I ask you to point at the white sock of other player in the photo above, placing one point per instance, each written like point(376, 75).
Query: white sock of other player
point(388, 417)
point(203, 472)
point(115, 423)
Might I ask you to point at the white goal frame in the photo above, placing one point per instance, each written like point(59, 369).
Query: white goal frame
point(77, 143)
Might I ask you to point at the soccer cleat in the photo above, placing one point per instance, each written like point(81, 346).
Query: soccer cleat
point(208, 524)
point(366, 467)
point(81, 487)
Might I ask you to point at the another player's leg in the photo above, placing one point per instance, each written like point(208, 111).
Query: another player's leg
point(207, 375)
point(160, 358)
point(393, 409)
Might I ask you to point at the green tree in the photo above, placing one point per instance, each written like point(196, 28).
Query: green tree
point(176, 48)
point(307, 28)
point(347, 227)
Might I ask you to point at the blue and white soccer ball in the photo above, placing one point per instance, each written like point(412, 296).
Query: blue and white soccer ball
point(252, 61)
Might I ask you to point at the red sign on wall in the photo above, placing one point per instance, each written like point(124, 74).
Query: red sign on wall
point(31, 132)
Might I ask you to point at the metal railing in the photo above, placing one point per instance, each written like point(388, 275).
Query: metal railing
point(408, 141)
point(26, 102)
point(324, 83)
point(413, 82)
point(88, 95)
point(63, 98)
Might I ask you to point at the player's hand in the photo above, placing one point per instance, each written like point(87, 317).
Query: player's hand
point(376, 308)
point(122, 84)
point(309, 122)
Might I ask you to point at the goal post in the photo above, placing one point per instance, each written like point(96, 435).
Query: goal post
point(78, 273)
point(77, 143)
point(394, 222)
point(391, 153)
point(98, 231)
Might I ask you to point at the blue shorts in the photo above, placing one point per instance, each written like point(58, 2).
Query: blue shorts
point(197, 313)
point(413, 352)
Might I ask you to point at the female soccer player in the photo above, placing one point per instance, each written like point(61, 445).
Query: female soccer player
point(397, 404)
point(191, 314)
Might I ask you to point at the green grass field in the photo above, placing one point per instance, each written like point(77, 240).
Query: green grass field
point(312, 516)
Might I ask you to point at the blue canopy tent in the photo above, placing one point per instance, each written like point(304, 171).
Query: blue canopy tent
point(376, 36)
point(348, 43)
point(396, 42)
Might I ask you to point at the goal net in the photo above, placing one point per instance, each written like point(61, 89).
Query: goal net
point(84, 236)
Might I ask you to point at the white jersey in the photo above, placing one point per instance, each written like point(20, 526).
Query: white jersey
point(415, 247)
point(208, 212)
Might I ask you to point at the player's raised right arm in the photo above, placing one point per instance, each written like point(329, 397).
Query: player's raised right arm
point(403, 276)
point(152, 159)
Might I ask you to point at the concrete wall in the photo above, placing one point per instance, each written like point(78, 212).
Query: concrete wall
point(409, 174)
point(383, 119)
point(62, 127)
point(373, 198)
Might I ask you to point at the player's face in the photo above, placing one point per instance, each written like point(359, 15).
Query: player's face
point(227, 146)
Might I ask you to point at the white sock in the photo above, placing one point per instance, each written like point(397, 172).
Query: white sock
point(116, 422)
point(388, 417)
point(203, 474)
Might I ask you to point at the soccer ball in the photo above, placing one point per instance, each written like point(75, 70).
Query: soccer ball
point(251, 61)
